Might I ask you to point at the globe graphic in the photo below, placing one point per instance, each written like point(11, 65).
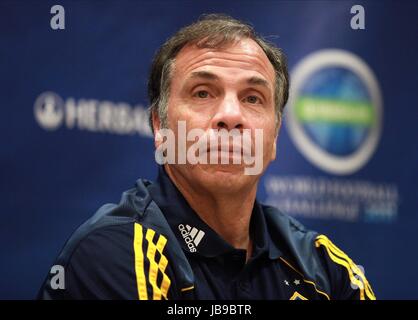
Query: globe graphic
point(335, 110)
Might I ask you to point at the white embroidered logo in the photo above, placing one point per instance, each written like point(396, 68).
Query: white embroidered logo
point(191, 235)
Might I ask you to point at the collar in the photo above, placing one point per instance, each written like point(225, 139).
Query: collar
point(193, 234)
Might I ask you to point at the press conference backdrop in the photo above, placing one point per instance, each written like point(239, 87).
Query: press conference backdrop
point(74, 131)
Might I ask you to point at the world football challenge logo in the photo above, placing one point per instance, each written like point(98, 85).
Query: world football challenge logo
point(334, 115)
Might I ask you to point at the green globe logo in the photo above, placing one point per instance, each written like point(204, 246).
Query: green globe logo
point(334, 114)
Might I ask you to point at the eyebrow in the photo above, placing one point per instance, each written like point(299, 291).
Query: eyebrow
point(204, 75)
point(258, 82)
point(211, 76)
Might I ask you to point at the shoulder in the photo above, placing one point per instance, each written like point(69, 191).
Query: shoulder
point(317, 258)
point(291, 236)
point(110, 256)
point(348, 280)
point(112, 225)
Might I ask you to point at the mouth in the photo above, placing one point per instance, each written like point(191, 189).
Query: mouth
point(226, 151)
point(226, 155)
point(229, 146)
point(222, 149)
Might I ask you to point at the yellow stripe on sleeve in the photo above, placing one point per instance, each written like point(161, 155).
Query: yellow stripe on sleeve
point(356, 276)
point(139, 263)
point(157, 267)
point(162, 265)
point(153, 270)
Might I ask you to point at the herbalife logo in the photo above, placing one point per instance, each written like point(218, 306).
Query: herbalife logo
point(49, 110)
point(191, 236)
point(52, 112)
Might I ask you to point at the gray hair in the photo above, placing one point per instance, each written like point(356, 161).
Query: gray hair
point(210, 31)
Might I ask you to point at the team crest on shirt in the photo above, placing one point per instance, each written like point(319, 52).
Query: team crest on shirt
point(297, 296)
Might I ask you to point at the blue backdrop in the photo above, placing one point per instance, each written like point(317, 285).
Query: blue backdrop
point(74, 134)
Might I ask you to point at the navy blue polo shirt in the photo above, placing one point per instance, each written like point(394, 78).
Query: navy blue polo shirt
point(152, 245)
point(220, 270)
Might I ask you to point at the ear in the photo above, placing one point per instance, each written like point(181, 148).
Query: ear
point(274, 149)
point(276, 135)
point(156, 125)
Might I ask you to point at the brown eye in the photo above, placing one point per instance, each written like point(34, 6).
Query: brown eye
point(202, 94)
point(252, 99)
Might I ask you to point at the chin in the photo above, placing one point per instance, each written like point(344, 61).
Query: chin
point(225, 176)
point(225, 169)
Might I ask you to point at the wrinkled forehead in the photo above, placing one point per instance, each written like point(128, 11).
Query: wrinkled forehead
point(243, 54)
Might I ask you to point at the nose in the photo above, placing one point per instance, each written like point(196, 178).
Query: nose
point(228, 114)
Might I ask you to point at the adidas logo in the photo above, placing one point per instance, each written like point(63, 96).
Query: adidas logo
point(191, 236)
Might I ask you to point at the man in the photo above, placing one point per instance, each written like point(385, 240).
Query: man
point(199, 232)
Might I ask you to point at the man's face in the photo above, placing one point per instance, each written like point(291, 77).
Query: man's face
point(230, 88)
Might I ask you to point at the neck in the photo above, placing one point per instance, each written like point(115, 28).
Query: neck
point(228, 215)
